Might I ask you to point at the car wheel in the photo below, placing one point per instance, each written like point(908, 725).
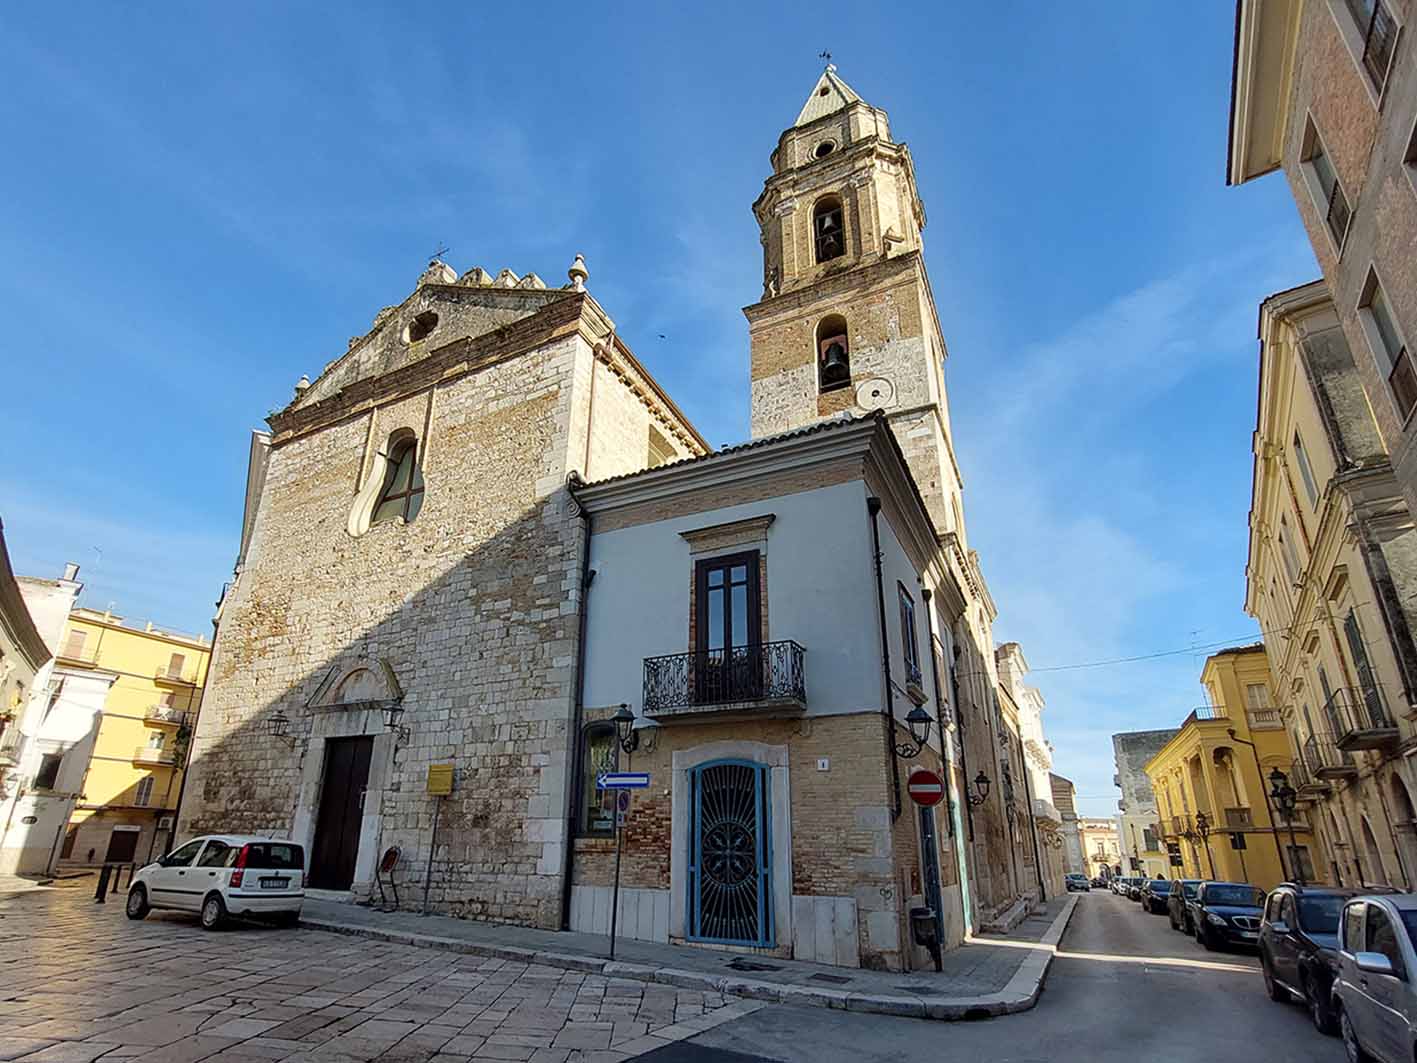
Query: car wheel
point(213, 912)
point(1320, 1011)
point(1277, 992)
point(137, 906)
point(1351, 1047)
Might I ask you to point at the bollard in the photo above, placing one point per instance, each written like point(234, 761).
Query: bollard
point(101, 894)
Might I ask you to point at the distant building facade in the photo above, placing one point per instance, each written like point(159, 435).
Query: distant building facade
point(1143, 852)
point(24, 668)
point(1065, 798)
point(1100, 847)
point(33, 811)
point(1212, 778)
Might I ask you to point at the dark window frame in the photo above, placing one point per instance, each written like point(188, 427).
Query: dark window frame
point(726, 563)
point(587, 771)
point(403, 449)
point(909, 636)
point(44, 778)
point(1336, 208)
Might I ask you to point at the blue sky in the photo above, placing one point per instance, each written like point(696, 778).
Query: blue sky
point(197, 209)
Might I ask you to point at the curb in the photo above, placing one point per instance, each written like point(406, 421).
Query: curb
point(1020, 994)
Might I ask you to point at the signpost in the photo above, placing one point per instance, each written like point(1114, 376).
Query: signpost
point(925, 787)
point(624, 782)
point(439, 786)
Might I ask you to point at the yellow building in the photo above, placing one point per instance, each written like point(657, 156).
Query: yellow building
point(1101, 850)
point(1212, 781)
point(137, 739)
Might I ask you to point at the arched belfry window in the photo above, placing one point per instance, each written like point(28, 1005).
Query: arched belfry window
point(833, 353)
point(402, 494)
point(827, 234)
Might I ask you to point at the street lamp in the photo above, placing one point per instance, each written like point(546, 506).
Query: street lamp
point(1203, 831)
point(624, 721)
point(393, 714)
point(278, 726)
point(1286, 798)
point(981, 785)
point(918, 721)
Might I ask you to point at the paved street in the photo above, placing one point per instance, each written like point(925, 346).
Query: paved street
point(1124, 988)
point(81, 982)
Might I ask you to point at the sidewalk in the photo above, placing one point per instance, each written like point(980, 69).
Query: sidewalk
point(989, 975)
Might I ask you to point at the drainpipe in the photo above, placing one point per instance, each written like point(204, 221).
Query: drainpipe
point(963, 744)
point(873, 507)
point(1269, 808)
point(574, 745)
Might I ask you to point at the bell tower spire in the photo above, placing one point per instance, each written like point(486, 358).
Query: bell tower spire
point(847, 320)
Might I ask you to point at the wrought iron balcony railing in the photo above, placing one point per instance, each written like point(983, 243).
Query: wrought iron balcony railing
point(168, 674)
point(149, 755)
point(1304, 782)
point(741, 676)
point(1210, 712)
point(1360, 718)
point(1325, 760)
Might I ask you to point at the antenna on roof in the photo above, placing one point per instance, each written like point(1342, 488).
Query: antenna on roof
point(825, 55)
point(438, 254)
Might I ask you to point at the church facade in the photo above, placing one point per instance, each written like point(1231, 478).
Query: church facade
point(485, 533)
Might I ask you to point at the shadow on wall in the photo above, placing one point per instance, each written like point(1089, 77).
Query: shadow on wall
point(479, 658)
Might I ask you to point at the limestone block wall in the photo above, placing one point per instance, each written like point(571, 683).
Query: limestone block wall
point(475, 607)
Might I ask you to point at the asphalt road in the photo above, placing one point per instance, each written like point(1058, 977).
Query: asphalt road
point(1125, 987)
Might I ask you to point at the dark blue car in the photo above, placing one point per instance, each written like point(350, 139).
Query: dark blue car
point(1227, 913)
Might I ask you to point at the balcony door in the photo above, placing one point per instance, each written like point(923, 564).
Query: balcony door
point(728, 629)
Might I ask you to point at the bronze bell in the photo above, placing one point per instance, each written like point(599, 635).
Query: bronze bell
point(836, 369)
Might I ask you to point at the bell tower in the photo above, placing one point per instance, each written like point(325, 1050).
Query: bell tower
point(847, 320)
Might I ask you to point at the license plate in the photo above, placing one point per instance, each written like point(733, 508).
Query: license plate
point(274, 883)
point(1249, 933)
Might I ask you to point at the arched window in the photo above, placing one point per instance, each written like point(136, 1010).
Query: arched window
point(833, 353)
point(827, 234)
point(600, 752)
point(402, 494)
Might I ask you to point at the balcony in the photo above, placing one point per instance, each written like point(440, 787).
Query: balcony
point(1264, 719)
point(767, 679)
point(1177, 826)
point(1208, 712)
point(1326, 761)
point(1360, 718)
point(167, 715)
point(167, 676)
point(149, 755)
point(1238, 818)
point(1309, 788)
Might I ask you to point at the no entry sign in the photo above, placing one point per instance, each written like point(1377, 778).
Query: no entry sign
point(925, 787)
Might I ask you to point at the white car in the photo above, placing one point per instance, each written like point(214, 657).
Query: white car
point(1373, 989)
point(220, 875)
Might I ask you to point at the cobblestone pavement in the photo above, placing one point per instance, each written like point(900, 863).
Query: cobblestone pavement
point(80, 982)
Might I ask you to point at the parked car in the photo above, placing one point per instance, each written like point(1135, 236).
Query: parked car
point(1134, 890)
point(1373, 993)
point(221, 875)
point(1075, 880)
point(1178, 901)
point(1226, 913)
point(1154, 895)
point(1299, 947)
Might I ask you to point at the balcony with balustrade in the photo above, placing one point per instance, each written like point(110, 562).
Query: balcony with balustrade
point(1361, 718)
point(1326, 761)
point(1264, 719)
point(149, 755)
point(757, 681)
point(167, 715)
point(181, 676)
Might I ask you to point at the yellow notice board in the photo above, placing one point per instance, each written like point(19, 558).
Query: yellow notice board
point(440, 779)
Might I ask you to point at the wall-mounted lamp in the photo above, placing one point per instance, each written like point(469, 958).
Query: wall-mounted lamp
point(918, 721)
point(393, 714)
point(981, 786)
point(624, 721)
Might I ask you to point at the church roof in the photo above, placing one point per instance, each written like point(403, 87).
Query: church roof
point(829, 95)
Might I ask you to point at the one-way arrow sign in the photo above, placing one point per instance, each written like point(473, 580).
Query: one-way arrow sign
point(622, 780)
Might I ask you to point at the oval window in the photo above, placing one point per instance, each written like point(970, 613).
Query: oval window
point(420, 327)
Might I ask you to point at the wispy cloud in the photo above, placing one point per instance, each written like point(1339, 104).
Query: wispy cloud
point(1080, 504)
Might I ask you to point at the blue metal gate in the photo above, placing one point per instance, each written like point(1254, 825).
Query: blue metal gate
point(730, 894)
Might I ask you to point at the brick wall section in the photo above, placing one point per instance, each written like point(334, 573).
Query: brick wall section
point(842, 837)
